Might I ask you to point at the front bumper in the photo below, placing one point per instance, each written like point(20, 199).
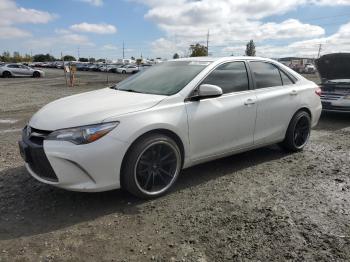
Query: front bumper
point(89, 168)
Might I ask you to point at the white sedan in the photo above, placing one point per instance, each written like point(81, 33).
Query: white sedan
point(139, 134)
point(9, 70)
point(128, 69)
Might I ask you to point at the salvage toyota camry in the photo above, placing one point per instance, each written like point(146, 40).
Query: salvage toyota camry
point(139, 134)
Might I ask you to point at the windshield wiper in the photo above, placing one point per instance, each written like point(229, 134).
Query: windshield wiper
point(130, 90)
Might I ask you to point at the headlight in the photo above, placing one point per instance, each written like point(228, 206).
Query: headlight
point(83, 134)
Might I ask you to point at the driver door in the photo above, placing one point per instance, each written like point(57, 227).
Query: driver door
point(223, 124)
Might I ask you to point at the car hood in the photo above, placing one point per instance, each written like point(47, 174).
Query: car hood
point(334, 66)
point(91, 108)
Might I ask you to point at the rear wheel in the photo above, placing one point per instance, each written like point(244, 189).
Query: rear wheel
point(123, 72)
point(298, 132)
point(152, 166)
point(36, 74)
point(6, 74)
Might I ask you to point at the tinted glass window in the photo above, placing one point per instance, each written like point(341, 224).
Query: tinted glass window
point(265, 74)
point(13, 66)
point(231, 77)
point(166, 78)
point(285, 79)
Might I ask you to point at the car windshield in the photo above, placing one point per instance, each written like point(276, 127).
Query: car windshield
point(166, 78)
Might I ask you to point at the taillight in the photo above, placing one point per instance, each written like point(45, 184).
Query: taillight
point(318, 91)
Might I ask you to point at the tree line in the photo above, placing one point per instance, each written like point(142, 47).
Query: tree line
point(201, 50)
point(16, 57)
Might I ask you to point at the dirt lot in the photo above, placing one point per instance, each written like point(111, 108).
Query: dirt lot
point(261, 205)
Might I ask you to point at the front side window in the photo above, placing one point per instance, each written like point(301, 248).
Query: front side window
point(231, 77)
point(13, 66)
point(265, 74)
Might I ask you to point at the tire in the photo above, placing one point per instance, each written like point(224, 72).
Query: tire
point(36, 74)
point(298, 132)
point(151, 167)
point(123, 72)
point(6, 74)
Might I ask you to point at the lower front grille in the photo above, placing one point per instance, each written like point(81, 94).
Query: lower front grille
point(34, 155)
point(40, 165)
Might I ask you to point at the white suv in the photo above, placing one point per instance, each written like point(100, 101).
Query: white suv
point(140, 134)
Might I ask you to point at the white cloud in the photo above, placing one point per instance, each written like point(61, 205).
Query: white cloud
point(93, 2)
point(11, 15)
point(110, 47)
point(8, 32)
point(231, 22)
point(63, 40)
point(338, 42)
point(94, 28)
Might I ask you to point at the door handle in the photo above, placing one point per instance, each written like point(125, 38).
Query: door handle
point(249, 101)
point(293, 93)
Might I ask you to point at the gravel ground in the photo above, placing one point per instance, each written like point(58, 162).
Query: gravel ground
point(263, 205)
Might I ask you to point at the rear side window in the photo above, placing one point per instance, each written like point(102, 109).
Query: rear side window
point(13, 66)
point(265, 74)
point(285, 79)
point(231, 77)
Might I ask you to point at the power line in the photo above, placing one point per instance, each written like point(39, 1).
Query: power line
point(208, 43)
point(319, 51)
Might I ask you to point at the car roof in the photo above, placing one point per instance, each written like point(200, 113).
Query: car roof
point(227, 58)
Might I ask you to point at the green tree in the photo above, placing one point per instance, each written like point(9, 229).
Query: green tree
point(198, 50)
point(101, 60)
point(83, 59)
point(138, 61)
point(69, 58)
point(5, 57)
point(250, 50)
point(16, 57)
point(92, 60)
point(43, 58)
point(176, 56)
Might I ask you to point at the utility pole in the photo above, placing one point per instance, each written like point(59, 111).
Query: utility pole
point(319, 51)
point(78, 53)
point(208, 43)
point(123, 51)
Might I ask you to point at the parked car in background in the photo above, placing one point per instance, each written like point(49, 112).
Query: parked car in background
point(308, 69)
point(9, 70)
point(334, 70)
point(94, 67)
point(128, 69)
point(108, 68)
point(140, 133)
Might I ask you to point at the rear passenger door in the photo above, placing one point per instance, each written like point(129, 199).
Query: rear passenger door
point(277, 101)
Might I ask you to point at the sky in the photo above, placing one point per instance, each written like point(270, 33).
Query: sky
point(160, 28)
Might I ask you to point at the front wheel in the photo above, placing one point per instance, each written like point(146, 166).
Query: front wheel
point(36, 74)
point(152, 166)
point(6, 74)
point(298, 132)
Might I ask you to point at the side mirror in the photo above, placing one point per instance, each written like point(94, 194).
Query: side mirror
point(206, 91)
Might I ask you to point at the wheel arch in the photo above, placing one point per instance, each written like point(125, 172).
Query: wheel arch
point(305, 109)
point(6, 71)
point(160, 131)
